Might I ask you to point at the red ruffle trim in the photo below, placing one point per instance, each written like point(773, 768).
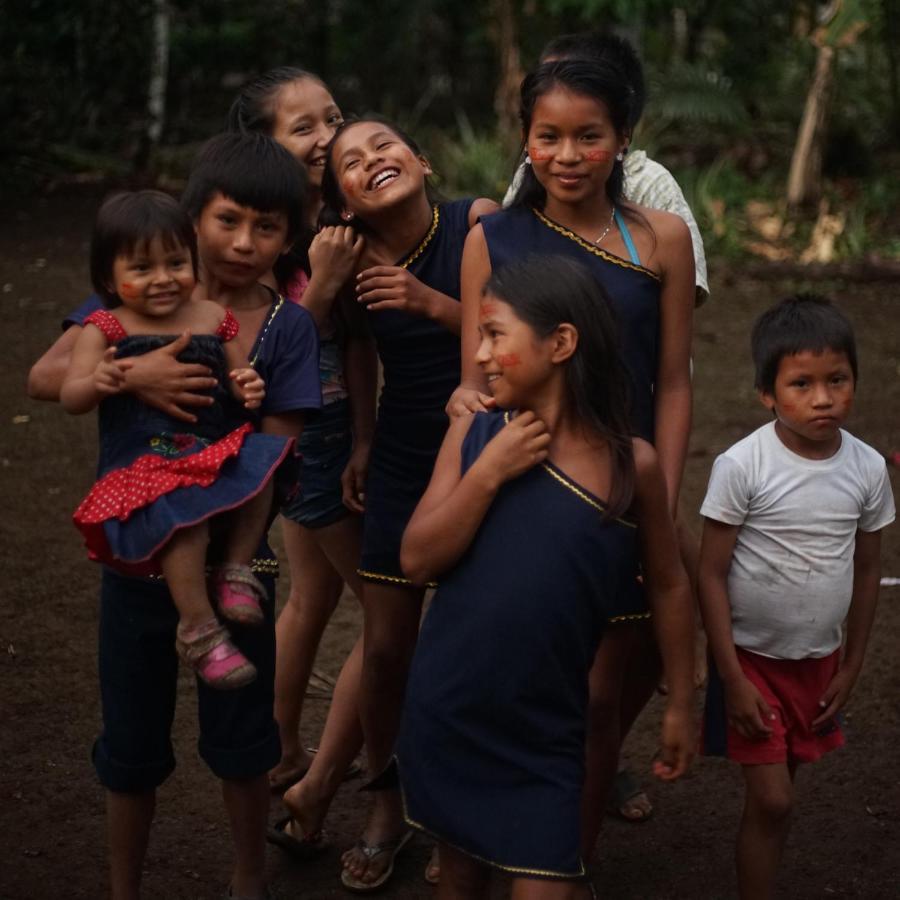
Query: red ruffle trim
point(120, 492)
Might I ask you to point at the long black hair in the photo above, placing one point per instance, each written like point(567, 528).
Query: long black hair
point(333, 201)
point(547, 291)
point(597, 79)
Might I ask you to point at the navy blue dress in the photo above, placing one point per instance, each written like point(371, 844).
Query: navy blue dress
point(491, 748)
point(633, 290)
point(157, 474)
point(421, 362)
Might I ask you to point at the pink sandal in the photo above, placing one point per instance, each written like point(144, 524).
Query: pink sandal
point(207, 649)
point(238, 594)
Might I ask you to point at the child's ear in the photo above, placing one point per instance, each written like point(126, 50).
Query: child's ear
point(767, 399)
point(565, 342)
point(426, 165)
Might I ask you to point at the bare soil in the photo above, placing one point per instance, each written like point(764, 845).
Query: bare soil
point(846, 836)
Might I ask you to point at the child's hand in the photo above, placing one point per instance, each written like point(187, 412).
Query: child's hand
point(521, 444)
point(391, 287)
point(748, 712)
point(353, 479)
point(678, 744)
point(835, 696)
point(109, 376)
point(333, 254)
point(466, 401)
point(250, 387)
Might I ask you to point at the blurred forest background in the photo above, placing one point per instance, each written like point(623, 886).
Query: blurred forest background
point(780, 118)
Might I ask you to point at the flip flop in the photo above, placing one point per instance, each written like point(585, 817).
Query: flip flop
point(371, 851)
point(626, 787)
point(310, 846)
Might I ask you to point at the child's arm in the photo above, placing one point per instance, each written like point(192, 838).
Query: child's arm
point(669, 594)
point(747, 710)
point(94, 372)
point(361, 378)
point(672, 391)
point(866, 578)
point(472, 394)
point(46, 376)
point(453, 506)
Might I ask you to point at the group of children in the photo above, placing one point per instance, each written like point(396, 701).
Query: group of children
point(526, 458)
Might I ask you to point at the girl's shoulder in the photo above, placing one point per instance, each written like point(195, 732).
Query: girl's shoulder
point(666, 226)
point(108, 324)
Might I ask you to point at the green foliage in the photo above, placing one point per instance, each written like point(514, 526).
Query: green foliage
point(469, 163)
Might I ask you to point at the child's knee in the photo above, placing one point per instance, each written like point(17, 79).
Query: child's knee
point(773, 803)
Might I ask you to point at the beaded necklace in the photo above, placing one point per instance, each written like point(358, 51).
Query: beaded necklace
point(435, 218)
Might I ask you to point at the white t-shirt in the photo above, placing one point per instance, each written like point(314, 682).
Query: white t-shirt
point(791, 577)
point(647, 183)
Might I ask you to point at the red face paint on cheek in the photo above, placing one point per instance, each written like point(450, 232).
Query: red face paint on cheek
point(508, 360)
point(127, 289)
point(538, 155)
point(598, 155)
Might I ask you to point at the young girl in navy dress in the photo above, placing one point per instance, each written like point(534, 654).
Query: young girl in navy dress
point(162, 486)
point(575, 118)
point(375, 180)
point(534, 521)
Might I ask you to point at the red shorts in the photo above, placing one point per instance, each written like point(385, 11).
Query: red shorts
point(792, 688)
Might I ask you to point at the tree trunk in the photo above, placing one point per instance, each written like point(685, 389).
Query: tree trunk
point(805, 177)
point(156, 90)
point(506, 96)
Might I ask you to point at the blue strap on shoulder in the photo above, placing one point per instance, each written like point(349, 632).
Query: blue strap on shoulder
point(626, 236)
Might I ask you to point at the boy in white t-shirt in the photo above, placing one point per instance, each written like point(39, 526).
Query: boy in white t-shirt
point(791, 547)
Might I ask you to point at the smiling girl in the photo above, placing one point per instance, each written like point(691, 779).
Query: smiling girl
point(376, 180)
point(575, 118)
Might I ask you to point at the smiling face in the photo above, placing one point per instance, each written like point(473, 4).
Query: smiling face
point(515, 359)
point(376, 169)
point(812, 398)
point(155, 278)
point(572, 144)
point(305, 119)
point(238, 244)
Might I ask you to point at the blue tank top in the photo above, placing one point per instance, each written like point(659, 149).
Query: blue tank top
point(421, 358)
point(633, 290)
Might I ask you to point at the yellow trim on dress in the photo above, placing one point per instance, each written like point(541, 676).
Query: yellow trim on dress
point(392, 579)
point(435, 220)
point(257, 566)
point(513, 870)
point(591, 248)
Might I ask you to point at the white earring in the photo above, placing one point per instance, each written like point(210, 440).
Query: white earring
point(620, 156)
point(347, 216)
point(527, 160)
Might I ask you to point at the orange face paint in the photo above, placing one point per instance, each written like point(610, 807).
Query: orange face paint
point(598, 155)
point(508, 360)
point(127, 289)
point(538, 155)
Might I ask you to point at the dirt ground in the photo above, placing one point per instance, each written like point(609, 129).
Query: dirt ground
point(846, 837)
